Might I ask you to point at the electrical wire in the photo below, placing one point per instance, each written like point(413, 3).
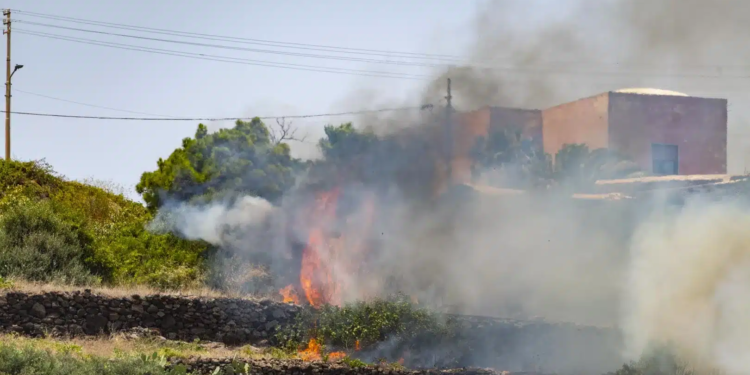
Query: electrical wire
point(317, 47)
point(86, 104)
point(476, 67)
point(235, 60)
point(306, 46)
point(335, 114)
point(209, 45)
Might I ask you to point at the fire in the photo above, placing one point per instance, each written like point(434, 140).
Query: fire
point(289, 294)
point(330, 259)
point(314, 353)
point(356, 346)
point(401, 361)
point(335, 356)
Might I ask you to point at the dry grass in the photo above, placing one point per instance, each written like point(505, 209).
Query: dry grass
point(119, 345)
point(119, 291)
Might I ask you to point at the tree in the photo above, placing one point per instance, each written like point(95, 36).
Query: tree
point(242, 159)
point(576, 165)
point(519, 163)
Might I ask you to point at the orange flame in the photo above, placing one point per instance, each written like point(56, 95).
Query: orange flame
point(329, 261)
point(335, 356)
point(289, 294)
point(401, 361)
point(356, 346)
point(316, 275)
point(314, 353)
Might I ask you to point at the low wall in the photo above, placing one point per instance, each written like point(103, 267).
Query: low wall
point(283, 367)
point(232, 321)
point(543, 347)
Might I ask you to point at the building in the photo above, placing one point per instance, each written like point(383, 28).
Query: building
point(664, 132)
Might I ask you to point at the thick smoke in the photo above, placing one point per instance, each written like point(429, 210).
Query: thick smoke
point(676, 277)
point(689, 275)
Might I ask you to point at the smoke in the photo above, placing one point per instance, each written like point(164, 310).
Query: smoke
point(677, 277)
point(225, 223)
point(687, 282)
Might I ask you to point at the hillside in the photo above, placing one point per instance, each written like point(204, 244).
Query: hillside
point(56, 230)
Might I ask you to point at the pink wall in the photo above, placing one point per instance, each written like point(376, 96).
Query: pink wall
point(698, 126)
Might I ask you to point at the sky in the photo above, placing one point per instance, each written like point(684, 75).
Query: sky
point(120, 151)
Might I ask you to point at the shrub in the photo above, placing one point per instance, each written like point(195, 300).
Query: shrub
point(367, 323)
point(76, 233)
point(35, 244)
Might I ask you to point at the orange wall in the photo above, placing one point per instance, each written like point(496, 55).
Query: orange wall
point(467, 129)
point(582, 121)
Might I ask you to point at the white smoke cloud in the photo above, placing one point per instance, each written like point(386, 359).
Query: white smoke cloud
point(215, 222)
point(688, 283)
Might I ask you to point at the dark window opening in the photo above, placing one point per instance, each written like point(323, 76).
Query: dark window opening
point(664, 158)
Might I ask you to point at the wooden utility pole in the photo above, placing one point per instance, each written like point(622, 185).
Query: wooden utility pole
point(449, 133)
point(6, 21)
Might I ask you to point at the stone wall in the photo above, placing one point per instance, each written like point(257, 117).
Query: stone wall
point(232, 321)
point(543, 347)
point(282, 367)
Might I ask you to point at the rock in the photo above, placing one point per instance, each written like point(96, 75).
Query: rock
point(168, 323)
point(152, 309)
point(38, 310)
point(95, 324)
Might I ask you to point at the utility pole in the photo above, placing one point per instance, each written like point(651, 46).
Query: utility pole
point(449, 133)
point(8, 74)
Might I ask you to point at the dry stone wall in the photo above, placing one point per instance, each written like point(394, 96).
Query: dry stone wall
point(544, 347)
point(231, 321)
point(283, 367)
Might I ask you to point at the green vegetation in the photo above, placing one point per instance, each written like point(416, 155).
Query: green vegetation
point(59, 231)
point(54, 230)
point(30, 360)
point(240, 160)
point(661, 361)
point(364, 324)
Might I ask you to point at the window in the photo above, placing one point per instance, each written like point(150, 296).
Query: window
point(664, 158)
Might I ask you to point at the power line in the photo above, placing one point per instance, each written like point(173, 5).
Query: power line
point(235, 60)
point(267, 51)
point(335, 114)
point(357, 72)
point(315, 47)
point(86, 104)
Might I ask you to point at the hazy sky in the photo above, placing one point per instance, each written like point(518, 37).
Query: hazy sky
point(181, 87)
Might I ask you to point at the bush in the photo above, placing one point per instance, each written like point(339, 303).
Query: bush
point(35, 244)
point(29, 360)
point(54, 230)
point(367, 324)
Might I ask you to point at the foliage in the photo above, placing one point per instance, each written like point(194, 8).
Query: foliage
point(242, 159)
point(368, 323)
point(576, 165)
point(52, 229)
point(660, 361)
point(360, 157)
point(5, 284)
point(28, 360)
point(519, 163)
point(35, 244)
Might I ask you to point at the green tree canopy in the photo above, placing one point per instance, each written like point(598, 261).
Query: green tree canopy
point(522, 163)
point(576, 165)
point(242, 159)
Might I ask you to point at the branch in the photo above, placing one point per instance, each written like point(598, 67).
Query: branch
point(284, 132)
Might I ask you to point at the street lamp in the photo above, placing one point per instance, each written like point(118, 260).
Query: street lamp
point(18, 66)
